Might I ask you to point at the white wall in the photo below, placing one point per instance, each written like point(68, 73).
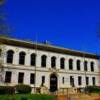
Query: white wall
point(66, 73)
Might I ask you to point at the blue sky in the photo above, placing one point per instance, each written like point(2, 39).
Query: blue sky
point(67, 23)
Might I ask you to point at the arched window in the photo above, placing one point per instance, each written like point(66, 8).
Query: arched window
point(33, 59)
point(43, 60)
point(92, 66)
point(62, 63)
point(85, 66)
point(78, 64)
point(22, 58)
point(53, 62)
point(70, 64)
point(10, 56)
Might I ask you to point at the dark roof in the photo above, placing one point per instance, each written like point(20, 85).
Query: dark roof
point(45, 47)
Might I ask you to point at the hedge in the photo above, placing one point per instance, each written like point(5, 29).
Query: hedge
point(7, 89)
point(93, 89)
point(22, 88)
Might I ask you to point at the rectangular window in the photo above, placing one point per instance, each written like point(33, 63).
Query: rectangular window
point(87, 80)
point(20, 77)
point(72, 81)
point(70, 66)
point(43, 79)
point(0, 52)
point(92, 68)
point(8, 77)
point(79, 80)
point(93, 80)
point(63, 80)
point(32, 78)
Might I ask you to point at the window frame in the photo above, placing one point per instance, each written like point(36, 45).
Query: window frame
point(10, 56)
point(33, 59)
point(62, 63)
point(22, 58)
point(8, 76)
point(32, 78)
point(43, 61)
point(78, 64)
point(53, 62)
point(70, 64)
point(21, 77)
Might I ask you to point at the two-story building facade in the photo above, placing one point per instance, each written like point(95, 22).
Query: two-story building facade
point(39, 64)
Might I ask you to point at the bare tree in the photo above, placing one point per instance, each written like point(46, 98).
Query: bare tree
point(4, 31)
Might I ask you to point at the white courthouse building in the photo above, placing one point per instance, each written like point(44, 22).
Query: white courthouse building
point(39, 64)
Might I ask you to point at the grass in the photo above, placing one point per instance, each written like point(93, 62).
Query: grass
point(29, 97)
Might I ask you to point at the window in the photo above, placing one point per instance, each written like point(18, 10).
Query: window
point(20, 77)
point(33, 59)
point(92, 66)
point(72, 81)
point(78, 64)
point(32, 78)
point(0, 52)
point(53, 62)
point(70, 64)
point(63, 80)
point(43, 80)
point(93, 80)
point(62, 63)
point(8, 77)
point(22, 58)
point(10, 56)
point(43, 60)
point(85, 66)
point(79, 80)
point(87, 80)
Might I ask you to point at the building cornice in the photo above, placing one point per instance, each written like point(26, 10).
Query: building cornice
point(45, 47)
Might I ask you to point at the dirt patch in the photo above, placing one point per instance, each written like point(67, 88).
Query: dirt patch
point(79, 97)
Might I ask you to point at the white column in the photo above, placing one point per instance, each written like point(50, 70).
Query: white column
point(66, 64)
point(84, 80)
point(16, 58)
point(89, 67)
point(27, 59)
point(4, 57)
point(14, 79)
point(26, 77)
point(58, 63)
point(38, 60)
point(74, 64)
point(48, 62)
point(82, 66)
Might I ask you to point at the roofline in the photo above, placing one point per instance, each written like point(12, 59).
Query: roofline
point(46, 47)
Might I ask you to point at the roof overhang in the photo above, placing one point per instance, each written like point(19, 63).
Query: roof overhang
point(45, 47)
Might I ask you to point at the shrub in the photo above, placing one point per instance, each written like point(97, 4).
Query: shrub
point(22, 88)
point(7, 89)
point(93, 89)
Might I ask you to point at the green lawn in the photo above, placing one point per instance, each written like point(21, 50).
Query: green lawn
point(29, 96)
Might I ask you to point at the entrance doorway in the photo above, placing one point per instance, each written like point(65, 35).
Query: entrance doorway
point(53, 83)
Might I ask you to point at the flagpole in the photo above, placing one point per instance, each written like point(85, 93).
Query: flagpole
point(36, 37)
